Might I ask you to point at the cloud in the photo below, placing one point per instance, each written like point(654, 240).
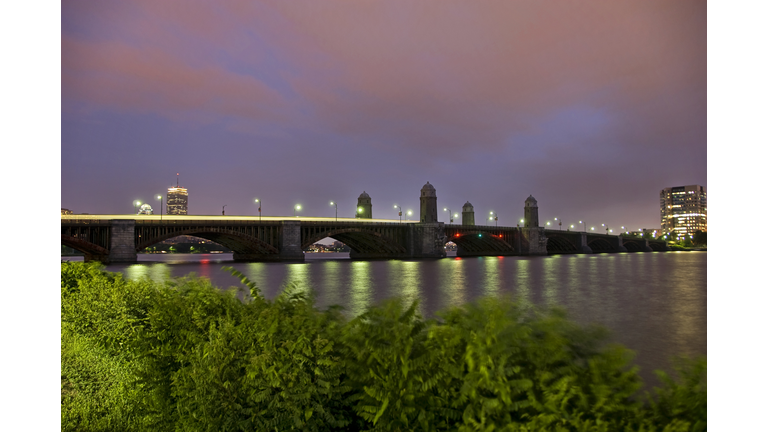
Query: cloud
point(150, 80)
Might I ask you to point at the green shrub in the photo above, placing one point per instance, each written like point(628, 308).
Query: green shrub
point(184, 355)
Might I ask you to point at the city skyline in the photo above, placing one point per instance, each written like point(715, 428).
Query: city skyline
point(592, 108)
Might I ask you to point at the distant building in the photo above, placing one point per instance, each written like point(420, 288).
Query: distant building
point(683, 209)
point(66, 212)
point(177, 199)
point(146, 209)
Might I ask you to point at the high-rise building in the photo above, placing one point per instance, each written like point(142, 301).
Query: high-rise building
point(683, 209)
point(177, 199)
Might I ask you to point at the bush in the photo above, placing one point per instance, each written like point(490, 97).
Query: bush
point(184, 355)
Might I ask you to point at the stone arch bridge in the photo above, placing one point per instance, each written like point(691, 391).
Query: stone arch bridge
point(118, 238)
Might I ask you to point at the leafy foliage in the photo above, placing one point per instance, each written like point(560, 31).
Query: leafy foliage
point(185, 355)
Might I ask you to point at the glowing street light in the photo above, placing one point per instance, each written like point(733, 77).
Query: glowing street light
point(160, 197)
point(450, 214)
point(136, 204)
point(560, 223)
point(495, 218)
point(337, 210)
point(585, 225)
point(259, 203)
point(399, 212)
point(296, 207)
point(408, 214)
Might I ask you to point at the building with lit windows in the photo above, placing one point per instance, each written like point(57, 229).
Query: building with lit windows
point(683, 209)
point(177, 199)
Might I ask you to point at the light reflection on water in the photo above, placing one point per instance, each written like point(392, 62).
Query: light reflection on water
point(655, 303)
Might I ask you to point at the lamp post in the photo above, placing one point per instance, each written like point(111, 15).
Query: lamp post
point(160, 197)
point(222, 209)
point(408, 214)
point(296, 207)
point(494, 218)
point(450, 214)
point(585, 225)
point(560, 223)
point(259, 203)
point(399, 212)
point(337, 210)
point(136, 204)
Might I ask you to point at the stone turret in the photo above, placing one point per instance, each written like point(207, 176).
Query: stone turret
point(428, 204)
point(467, 214)
point(364, 208)
point(531, 212)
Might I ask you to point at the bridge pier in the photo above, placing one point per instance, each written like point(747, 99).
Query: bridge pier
point(290, 241)
point(427, 240)
point(122, 245)
point(581, 243)
point(619, 244)
point(536, 241)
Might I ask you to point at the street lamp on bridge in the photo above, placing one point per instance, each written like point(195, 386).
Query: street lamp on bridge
point(136, 204)
point(560, 223)
point(259, 203)
point(337, 210)
point(222, 209)
point(450, 215)
point(585, 225)
point(160, 197)
point(296, 207)
point(399, 212)
point(494, 218)
point(408, 214)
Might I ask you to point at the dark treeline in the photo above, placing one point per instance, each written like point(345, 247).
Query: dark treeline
point(184, 355)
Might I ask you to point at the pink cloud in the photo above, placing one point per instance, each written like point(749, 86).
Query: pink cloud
point(117, 75)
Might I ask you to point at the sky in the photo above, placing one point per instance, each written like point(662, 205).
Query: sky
point(590, 107)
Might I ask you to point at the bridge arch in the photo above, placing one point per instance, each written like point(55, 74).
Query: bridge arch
point(633, 245)
point(360, 240)
point(239, 243)
point(599, 245)
point(92, 251)
point(560, 244)
point(480, 243)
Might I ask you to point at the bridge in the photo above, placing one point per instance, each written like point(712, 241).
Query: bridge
point(119, 238)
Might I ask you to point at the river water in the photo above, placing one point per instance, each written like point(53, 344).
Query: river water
point(655, 303)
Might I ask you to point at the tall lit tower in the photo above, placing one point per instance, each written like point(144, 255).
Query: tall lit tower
point(177, 199)
point(428, 200)
point(467, 214)
point(364, 207)
point(531, 212)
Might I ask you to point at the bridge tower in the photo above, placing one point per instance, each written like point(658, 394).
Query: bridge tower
point(467, 214)
point(531, 212)
point(428, 204)
point(364, 208)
